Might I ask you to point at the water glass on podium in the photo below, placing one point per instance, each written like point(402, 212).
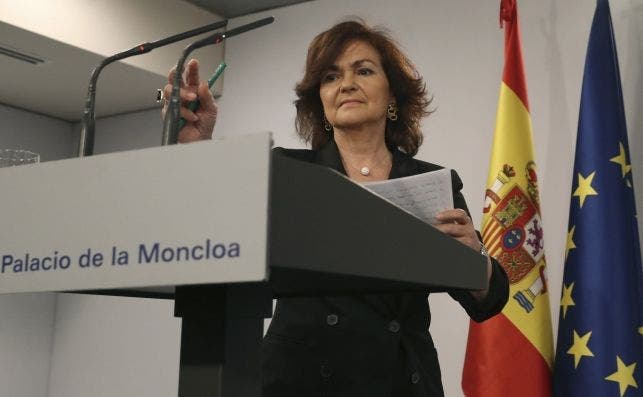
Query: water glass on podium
point(13, 157)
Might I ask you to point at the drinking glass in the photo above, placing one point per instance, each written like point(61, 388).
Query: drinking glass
point(13, 157)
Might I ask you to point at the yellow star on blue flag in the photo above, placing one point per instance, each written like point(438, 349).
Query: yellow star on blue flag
point(621, 160)
point(585, 187)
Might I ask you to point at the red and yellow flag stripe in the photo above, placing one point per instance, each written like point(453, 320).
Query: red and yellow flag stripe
point(511, 353)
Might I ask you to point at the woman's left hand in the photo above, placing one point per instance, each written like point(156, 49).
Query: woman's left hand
point(457, 224)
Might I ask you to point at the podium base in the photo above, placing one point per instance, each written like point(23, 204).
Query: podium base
point(221, 337)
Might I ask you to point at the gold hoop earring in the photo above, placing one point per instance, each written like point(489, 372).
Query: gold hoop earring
point(391, 111)
point(327, 126)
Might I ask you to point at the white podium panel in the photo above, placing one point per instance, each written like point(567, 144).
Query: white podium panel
point(173, 215)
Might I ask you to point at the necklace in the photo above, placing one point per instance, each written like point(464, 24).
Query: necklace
point(365, 170)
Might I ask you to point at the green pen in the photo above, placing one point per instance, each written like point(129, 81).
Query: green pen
point(194, 105)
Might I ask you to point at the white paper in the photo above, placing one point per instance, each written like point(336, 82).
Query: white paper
point(423, 195)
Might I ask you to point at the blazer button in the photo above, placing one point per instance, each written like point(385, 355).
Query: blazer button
point(332, 319)
point(394, 326)
point(415, 378)
point(326, 371)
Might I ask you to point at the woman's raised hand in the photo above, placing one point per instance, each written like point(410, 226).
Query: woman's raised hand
point(199, 124)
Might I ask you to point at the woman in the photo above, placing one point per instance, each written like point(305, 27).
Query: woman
point(359, 104)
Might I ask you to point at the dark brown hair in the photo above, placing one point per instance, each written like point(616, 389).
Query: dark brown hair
point(406, 84)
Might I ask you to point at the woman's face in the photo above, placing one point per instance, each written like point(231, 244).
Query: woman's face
point(355, 91)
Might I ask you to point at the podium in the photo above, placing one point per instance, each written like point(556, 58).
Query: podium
point(282, 228)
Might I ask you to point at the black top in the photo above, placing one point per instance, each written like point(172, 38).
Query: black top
point(375, 345)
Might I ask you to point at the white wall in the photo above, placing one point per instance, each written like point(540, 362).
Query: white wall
point(25, 343)
point(114, 346)
point(26, 320)
point(130, 131)
point(458, 48)
point(20, 129)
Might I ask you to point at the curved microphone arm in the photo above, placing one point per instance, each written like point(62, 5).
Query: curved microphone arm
point(87, 131)
point(171, 122)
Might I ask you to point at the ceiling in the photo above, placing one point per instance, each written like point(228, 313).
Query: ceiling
point(236, 8)
point(58, 86)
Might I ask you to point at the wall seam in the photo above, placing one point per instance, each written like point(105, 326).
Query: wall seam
point(53, 344)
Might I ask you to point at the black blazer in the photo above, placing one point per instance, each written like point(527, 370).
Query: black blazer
point(375, 345)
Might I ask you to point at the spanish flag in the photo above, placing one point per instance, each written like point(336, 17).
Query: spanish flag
point(511, 353)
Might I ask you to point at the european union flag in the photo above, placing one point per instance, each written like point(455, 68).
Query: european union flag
point(600, 333)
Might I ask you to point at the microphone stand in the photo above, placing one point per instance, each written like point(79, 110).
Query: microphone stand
point(171, 122)
point(87, 132)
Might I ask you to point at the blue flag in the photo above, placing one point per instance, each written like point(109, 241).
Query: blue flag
point(600, 336)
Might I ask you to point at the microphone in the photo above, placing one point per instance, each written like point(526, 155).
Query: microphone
point(171, 122)
point(86, 141)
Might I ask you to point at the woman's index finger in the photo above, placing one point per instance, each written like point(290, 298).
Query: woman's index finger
point(192, 73)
